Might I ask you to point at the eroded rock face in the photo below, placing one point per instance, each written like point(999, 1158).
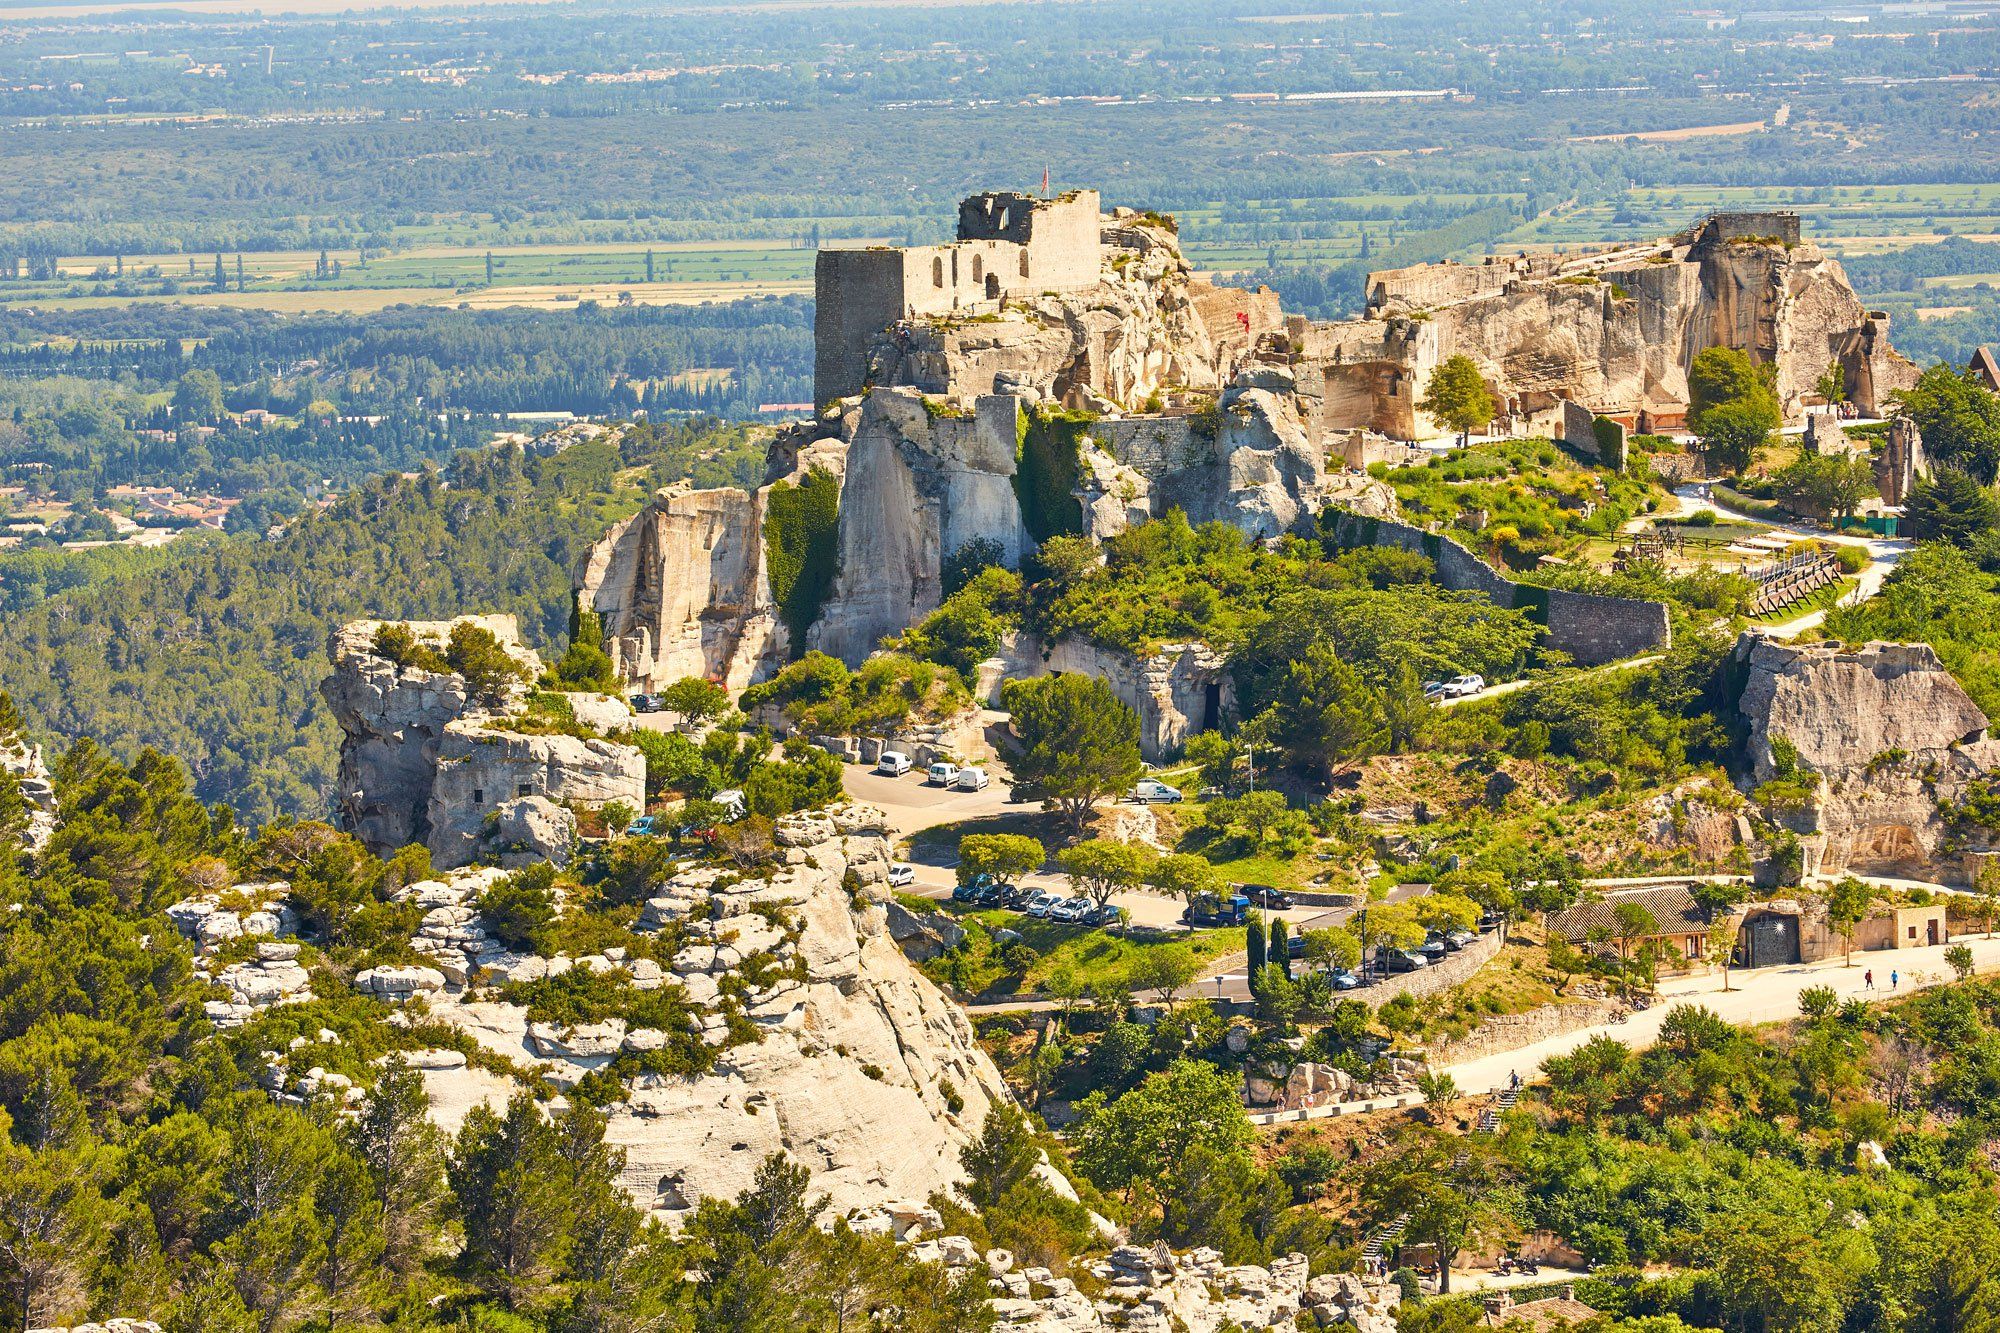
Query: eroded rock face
point(861, 1070)
point(1615, 330)
point(421, 761)
point(1160, 1291)
point(1891, 735)
point(1180, 690)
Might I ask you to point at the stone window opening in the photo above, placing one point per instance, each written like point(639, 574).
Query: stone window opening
point(937, 272)
point(978, 269)
point(524, 789)
point(1024, 261)
point(993, 286)
point(479, 796)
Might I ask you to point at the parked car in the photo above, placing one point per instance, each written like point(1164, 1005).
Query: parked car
point(1434, 690)
point(1434, 948)
point(1037, 903)
point(970, 779)
point(1106, 915)
point(1404, 960)
point(1070, 911)
point(1008, 895)
point(974, 891)
point(645, 703)
point(902, 875)
point(1151, 791)
point(1344, 980)
point(645, 826)
point(1295, 946)
point(1461, 686)
point(1458, 939)
point(1210, 911)
point(942, 774)
point(1263, 895)
point(1022, 790)
point(893, 763)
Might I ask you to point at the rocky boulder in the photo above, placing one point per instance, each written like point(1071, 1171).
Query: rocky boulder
point(1886, 738)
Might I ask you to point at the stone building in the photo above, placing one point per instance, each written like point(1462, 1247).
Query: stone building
point(1008, 245)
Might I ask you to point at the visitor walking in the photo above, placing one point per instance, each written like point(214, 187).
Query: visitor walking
point(1868, 979)
point(1895, 979)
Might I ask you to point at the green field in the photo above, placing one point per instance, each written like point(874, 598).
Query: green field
point(448, 258)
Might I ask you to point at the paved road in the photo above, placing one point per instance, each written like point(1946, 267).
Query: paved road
point(1509, 686)
point(1761, 996)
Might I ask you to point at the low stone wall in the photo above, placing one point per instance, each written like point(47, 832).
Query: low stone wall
point(1591, 628)
point(1455, 968)
point(1510, 1032)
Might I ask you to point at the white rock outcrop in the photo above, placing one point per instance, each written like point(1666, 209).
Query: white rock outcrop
point(421, 761)
point(1888, 740)
point(1159, 1291)
point(858, 1067)
point(22, 761)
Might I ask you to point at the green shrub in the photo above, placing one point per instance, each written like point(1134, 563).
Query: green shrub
point(801, 548)
point(519, 910)
point(1048, 443)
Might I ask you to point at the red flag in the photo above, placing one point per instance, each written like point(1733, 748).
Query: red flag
point(1045, 181)
point(1243, 318)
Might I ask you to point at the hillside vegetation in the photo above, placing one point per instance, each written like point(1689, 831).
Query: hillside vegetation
point(216, 657)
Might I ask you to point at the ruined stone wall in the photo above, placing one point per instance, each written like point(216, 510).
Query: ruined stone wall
point(1784, 226)
point(856, 294)
point(1591, 628)
point(1059, 237)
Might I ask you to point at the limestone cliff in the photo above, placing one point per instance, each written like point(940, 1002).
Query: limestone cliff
point(855, 1065)
point(423, 762)
point(1891, 736)
point(1615, 330)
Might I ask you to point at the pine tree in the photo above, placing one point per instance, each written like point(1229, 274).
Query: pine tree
point(404, 1156)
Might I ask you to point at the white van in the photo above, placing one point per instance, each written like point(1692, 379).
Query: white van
point(943, 773)
point(893, 763)
point(970, 779)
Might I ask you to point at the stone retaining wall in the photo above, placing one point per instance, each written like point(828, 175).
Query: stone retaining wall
point(1510, 1032)
point(1455, 968)
point(1593, 629)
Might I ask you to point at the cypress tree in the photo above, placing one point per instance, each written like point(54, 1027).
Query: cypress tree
point(1253, 941)
point(1280, 952)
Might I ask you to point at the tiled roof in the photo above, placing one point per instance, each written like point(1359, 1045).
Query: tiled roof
point(1672, 905)
point(1556, 1311)
point(1984, 366)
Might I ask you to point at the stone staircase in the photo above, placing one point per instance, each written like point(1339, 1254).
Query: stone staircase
point(1379, 1240)
point(1375, 1249)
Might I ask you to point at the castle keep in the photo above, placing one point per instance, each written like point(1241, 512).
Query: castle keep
point(1009, 245)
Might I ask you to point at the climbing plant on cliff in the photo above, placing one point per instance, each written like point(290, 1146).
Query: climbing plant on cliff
point(1047, 444)
point(799, 532)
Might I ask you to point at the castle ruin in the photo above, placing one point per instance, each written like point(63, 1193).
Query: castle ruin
point(1058, 369)
point(1009, 246)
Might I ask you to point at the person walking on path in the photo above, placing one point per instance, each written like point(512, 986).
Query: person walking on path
point(1895, 979)
point(1868, 979)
